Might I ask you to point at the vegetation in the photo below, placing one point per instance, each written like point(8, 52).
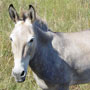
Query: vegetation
point(61, 15)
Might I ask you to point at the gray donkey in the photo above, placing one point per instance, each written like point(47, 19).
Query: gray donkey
point(57, 59)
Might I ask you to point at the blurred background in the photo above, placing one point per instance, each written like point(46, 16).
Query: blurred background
point(60, 15)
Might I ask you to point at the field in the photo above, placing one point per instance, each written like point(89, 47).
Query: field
point(61, 15)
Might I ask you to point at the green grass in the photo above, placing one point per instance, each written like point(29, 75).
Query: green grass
point(61, 15)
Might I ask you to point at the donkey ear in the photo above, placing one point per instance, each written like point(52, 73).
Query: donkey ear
point(13, 14)
point(32, 13)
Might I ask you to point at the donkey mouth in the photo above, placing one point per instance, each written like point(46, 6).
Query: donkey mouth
point(20, 80)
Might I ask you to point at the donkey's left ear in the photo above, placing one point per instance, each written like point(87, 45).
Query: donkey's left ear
point(32, 13)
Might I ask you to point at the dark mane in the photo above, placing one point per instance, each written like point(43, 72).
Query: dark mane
point(38, 22)
point(41, 24)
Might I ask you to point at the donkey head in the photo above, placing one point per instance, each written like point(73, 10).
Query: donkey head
point(23, 41)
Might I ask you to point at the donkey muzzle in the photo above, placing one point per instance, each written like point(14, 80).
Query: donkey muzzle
point(19, 76)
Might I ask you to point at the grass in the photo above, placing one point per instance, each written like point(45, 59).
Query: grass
point(61, 15)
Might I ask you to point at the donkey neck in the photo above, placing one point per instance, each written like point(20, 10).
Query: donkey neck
point(47, 63)
point(42, 36)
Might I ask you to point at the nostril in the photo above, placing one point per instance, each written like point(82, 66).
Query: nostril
point(22, 74)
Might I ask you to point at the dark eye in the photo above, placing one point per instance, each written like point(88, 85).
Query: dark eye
point(31, 40)
point(11, 39)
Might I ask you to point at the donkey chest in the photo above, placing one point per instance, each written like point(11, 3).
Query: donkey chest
point(40, 82)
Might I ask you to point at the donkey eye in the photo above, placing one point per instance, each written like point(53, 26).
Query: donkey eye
point(11, 39)
point(31, 40)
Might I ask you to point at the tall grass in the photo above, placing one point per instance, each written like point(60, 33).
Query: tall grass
point(61, 15)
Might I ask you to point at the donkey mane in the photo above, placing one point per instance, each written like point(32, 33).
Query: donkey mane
point(38, 22)
point(41, 24)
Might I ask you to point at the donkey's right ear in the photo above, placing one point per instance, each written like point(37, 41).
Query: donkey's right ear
point(13, 14)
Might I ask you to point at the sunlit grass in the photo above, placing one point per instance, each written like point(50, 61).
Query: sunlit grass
point(61, 15)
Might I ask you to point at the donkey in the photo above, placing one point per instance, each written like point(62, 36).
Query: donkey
point(57, 59)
